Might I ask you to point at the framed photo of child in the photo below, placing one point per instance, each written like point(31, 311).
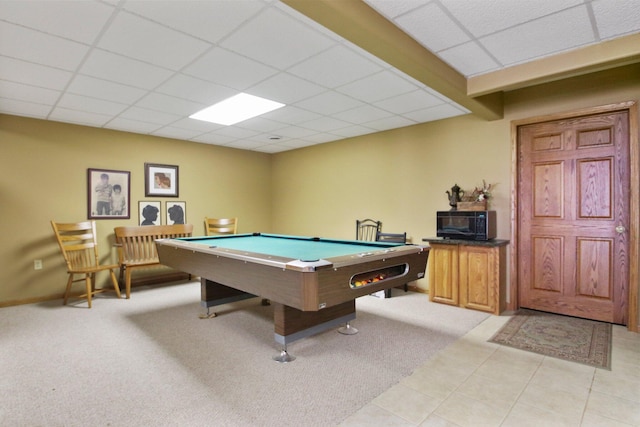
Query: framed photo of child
point(160, 180)
point(108, 194)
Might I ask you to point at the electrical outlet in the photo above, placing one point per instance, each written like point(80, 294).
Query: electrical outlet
point(37, 264)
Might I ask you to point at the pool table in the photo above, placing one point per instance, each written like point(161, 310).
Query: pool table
point(311, 282)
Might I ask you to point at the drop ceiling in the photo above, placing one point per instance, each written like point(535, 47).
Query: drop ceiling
point(343, 68)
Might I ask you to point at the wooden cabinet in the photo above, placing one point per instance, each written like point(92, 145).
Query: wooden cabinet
point(468, 274)
point(443, 274)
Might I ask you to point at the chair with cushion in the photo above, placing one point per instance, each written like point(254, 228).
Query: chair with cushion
point(367, 229)
point(79, 246)
point(392, 238)
point(213, 226)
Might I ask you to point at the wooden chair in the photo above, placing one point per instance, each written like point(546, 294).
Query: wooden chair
point(392, 238)
point(79, 246)
point(213, 226)
point(367, 229)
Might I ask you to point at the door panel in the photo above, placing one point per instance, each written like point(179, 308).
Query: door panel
point(573, 187)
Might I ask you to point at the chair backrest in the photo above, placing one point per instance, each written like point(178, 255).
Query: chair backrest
point(367, 229)
point(214, 226)
point(78, 243)
point(391, 237)
point(138, 243)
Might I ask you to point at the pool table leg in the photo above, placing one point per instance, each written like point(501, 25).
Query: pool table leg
point(214, 293)
point(291, 324)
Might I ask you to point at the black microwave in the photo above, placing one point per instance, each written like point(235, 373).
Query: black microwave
point(466, 225)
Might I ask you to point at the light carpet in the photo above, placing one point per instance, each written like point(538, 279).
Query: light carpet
point(151, 361)
point(564, 337)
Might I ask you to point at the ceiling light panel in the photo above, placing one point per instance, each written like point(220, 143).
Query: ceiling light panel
point(236, 109)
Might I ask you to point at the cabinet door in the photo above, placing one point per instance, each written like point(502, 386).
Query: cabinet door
point(443, 274)
point(479, 278)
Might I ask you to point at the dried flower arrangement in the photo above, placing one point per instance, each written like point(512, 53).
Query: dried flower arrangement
point(477, 199)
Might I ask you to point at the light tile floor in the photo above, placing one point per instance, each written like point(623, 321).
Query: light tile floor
point(477, 383)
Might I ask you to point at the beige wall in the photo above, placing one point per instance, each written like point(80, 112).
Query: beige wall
point(44, 177)
point(399, 177)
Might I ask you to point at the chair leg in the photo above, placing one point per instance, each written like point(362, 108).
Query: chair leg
point(89, 282)
point(116, 286)
point(127, 281)
point(66, 292)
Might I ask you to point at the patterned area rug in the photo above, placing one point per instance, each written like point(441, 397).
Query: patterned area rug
point(564, 337)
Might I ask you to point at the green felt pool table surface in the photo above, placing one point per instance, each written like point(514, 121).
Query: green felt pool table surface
point(294, 247)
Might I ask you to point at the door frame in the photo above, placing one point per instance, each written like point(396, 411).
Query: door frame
point(634, 202)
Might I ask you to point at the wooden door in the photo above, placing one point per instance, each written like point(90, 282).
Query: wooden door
point(574, 216)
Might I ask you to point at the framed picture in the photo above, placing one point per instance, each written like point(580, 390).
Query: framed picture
point(108, 193)
point(149, 213)
point(160, 180)
point(176, 212)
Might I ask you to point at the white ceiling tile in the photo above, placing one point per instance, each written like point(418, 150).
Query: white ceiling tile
point(276, 39)
point(28, 93)
point(33, 74)
point(364, 113)
point(76, 20)
point(428, 24)
point(394, 8)
point(291, 115)
point(197, 125)
point(351, 131)
point(149, 116)
point(320, 138)
point(329, 102)
point(545, 36)
point(411, 101)
point(115, 68)
point(24, 108)
point(244, 144)
point(389, 123)
point(29, 45)
point(229, 69)
point(260, 124)
point(377, 87)
point(92, 105)
point(469, 59)
point(616, 18)
point(205, 19)
point(332, 95)
point(285, 88)
point(102, 89)
point(79, 117)
point(129, 125)
point(170, 104)
point(295, 132)
point(177, 133)
point(325, 124)
point(335, 67)
point(235, 132)
point(194, 89)
point(212, 138)
point(487, 17)
point(147, 41)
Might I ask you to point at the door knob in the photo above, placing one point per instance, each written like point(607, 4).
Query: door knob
point(620, 229)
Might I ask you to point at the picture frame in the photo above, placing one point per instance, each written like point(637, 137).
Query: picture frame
point(108, 194)
point(149, 213)
point(160, 180)
point(176, 213)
